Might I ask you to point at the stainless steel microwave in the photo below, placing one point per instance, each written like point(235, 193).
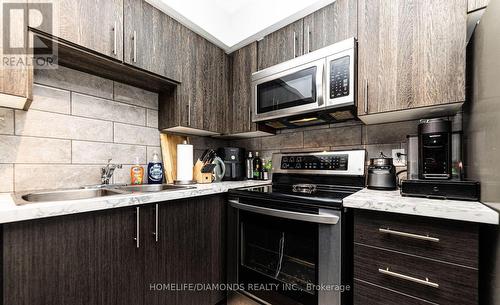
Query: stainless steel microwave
point(320, 80)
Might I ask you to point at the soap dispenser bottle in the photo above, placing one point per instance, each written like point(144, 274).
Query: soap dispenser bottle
point(137, 173)
point(155, 170)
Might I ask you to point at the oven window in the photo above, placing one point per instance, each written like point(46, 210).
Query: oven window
point(288, 91)
point(279, 251)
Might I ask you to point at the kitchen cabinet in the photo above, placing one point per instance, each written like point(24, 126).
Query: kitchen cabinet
point(153, 40)
point(473, 5)
point(331, 24)
point(16, 80)
point(243, 64)
point(411, 55)
point(93, 24)
point(200, 104)
point(115, 256)
point(414, 260)
point(281, 45)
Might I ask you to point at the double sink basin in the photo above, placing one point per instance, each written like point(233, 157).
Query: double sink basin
point(93, 192)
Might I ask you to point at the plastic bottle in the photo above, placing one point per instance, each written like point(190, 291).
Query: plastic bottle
point(136, 173)
point(155, 170)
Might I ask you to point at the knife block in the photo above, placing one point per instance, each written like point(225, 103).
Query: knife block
point(200, 177)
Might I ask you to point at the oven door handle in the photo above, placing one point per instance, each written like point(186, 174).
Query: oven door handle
point(316, 218)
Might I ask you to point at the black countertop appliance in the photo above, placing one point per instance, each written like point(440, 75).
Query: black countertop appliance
point(434, 139)
point(381, 174)
point(234, 159)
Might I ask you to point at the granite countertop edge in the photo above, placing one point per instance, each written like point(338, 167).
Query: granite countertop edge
point(393, 202)
point(10, 212)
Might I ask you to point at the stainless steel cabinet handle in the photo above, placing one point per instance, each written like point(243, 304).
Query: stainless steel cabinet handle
point(308, 39)
point(189, 112)
point(409, 235)
point(425, 282)
point(156, 223)
point(137, 227)
point(134, 38)
point(114, 39)
point(315, 218)
point(366, 96)
point(294, 44)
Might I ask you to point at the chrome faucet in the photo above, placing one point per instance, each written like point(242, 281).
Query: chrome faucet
point(107, 171)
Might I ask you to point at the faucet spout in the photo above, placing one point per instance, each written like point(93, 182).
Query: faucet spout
point(108, 171)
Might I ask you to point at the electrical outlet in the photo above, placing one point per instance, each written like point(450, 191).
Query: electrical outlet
point(401, 160)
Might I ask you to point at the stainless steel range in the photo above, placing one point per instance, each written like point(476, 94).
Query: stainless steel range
point(289, 243)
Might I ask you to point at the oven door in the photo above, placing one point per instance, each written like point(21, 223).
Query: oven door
point(282, 256)
point(288, 92)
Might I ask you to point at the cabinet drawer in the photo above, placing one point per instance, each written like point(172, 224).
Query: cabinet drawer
point(365, 293)
point(448, 241)
point(425, 279)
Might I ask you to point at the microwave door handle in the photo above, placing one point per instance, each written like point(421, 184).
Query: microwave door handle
point(321, 84)
point(315, 218)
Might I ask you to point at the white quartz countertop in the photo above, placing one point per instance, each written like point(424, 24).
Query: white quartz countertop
point(393, 202)
point(10, 212)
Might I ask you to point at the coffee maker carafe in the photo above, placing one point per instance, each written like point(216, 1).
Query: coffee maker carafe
point(434, 141)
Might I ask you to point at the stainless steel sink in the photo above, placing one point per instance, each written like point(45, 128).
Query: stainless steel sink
point(64, 195)
point(149, 188)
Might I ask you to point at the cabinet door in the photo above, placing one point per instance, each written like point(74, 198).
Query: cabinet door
point(243, 64)
point(410, 54)
point(152, 39)
point(333, 23)
point(93, 24)
point(190, 249)
point(282, 45)
point(473, 5)
point(79, 259)
point(16, 80)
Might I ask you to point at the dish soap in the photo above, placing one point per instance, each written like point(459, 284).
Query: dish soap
point(137, 173)
point(155, 170)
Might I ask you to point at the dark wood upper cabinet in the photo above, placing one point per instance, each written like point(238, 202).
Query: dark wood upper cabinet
point(153, 40)
point(331, 24)
point(243, 64)
point(281, 45)
point(411, 54)
point(93, 24)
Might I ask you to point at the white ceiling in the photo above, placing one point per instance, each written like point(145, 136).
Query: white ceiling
point(232, 24)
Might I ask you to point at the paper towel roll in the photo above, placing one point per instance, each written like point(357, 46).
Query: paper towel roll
point(184, 162)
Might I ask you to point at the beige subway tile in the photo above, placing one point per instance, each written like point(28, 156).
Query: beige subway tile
point(98, 108)
point(6, 121)
point(151, 150)
point(122, 175)
point(374, 150)
point(99, 153)
point(130, 134)
point(152, 118)
point(34, 150)
point(45, 124)
point(50, 99)
point(135, 96)
point(73, 80)
point(43, 176)
point(6, 178)
point(341, 136)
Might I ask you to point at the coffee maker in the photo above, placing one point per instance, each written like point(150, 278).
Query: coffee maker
point(434, 142)
point(234, 160)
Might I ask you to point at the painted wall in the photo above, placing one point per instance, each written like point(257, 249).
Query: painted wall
point(482, 139)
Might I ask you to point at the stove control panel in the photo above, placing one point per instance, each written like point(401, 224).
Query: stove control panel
point(315, 162)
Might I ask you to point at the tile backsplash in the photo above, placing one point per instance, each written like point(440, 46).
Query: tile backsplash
point(76, 122)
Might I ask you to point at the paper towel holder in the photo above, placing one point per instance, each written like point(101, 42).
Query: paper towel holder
point(184, 182)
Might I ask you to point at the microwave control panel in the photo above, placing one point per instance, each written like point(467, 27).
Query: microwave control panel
point(339, 77)
point(312, 162)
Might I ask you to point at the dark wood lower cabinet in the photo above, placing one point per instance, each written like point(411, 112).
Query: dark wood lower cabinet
point(94, 258)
